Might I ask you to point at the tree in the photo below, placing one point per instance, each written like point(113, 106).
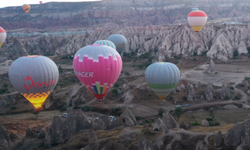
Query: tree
point(115, 91)
point(60, 69)
point(178, 111)
point(161, 111)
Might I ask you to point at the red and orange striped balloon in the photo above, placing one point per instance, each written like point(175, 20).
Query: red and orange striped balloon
point(197, 19)
point(26, 8)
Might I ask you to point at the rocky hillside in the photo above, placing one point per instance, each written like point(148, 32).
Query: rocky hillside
point(222, 42)
point(122, 13)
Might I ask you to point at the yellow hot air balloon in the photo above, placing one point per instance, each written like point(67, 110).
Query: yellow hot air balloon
point(2, 36)
point(26, 8)
point(197, 19)
point(34, 77)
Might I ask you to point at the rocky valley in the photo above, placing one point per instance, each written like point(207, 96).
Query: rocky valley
point(209, 108)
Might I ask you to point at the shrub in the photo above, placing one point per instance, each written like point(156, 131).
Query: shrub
point(86, 108)
point(116, 85)
point(178, 111)
point(5, 85)
point(232, 88)
point(138, 118)
point(195, 59)
point(195, 54)
point(127, 74)
point(13, 108)
point(64, 106)
point(248, 49)
point(115, 91)
point(237, 97)
point(184, 97)
point(84, 102)
point(161, 111)
point(236, 53)
point(196, 124)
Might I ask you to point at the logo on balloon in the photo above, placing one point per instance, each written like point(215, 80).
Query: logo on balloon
point(84, 74)
point(38, 84)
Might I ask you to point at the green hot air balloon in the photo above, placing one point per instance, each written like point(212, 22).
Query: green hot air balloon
point(106, 42)
point(162, 78)
point(35, 77)
point(120, 42)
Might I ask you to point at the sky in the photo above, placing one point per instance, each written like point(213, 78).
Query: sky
point(9, 3)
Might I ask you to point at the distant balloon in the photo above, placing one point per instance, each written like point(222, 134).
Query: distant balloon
point(35, 77)
point(194, 9)
point(2, 36)
point(26, 8)
point(97, 67)
point(197, 19)
point(106, 42)
point(41, 2)
point(162, 78)
point(120, 42)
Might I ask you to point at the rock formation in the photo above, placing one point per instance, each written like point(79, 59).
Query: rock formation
point(218, 139)
point(93, 142)
point(63, 129)
point(190, 92)
point(204, 123)
point(209, 92)
point(224, 92)
point(169, 121)
point(160, 126)
point(5, 139)
point(211, 67)
point(128, 118)
point(145, 144)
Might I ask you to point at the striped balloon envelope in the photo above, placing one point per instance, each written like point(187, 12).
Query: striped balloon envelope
point(2, 36)
point(98, 67)
point(26, 8)
point(197, 19)
point(106, 42)
point(35, 77)
point(162, 78)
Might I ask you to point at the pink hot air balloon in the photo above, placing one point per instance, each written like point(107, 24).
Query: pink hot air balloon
point(41, 2)
point(97, 67)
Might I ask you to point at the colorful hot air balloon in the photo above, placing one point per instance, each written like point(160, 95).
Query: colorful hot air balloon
point(97, 67)
point(106, 42)
point(2, 36)
point(162, 78)
point(41, 2)
point(197, 19)
point(26, 8)
point(120, 42)
point(194, 9)
point(35, 77)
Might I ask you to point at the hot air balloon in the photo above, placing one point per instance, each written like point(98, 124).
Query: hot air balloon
point(98, 67)
point(162, 78)
point(41, 2)
point(2, 36)
point(197, 19)
point(26, 8)
point(35, 77)
point(194, 9)
point(120, 42)
point(106, 42)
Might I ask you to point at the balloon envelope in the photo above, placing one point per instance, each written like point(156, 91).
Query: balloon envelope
point(120, 42)
point(26, 8)
point(2, 36)
point(162, 78)
point(34, 77)
point(197, 19)
point(97, 67)
point(106, 42)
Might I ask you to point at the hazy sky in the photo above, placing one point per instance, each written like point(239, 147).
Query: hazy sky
point(9, 3)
